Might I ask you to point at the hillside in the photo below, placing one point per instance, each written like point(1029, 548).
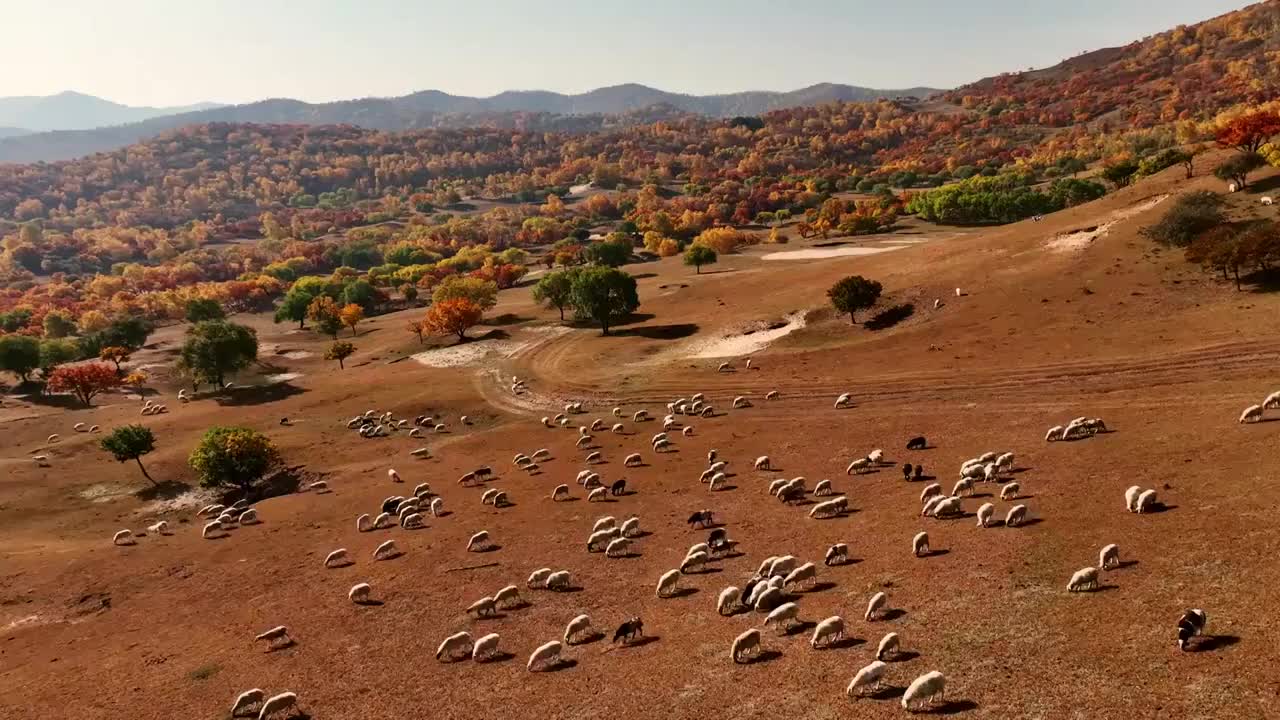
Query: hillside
point(77, 111)
point(535, 110)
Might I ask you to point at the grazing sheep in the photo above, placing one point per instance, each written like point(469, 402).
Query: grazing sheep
point(1010, 491)
point(630, 629)
point(277, 704)
point(701, 519)
point(437, 507)
point(740, 402)
point(393, 476)
point(1146, 502)
point(597, 495)
point(925, 691)
point(837, 554)
point(1109, 557)
point(860, 465)
point(479, 541)
point(421, 489)
point(1272, 401)
point(618, 547)
point(771, 395)
point(1083, 579)
point(382, 521)
point(844, 400)
point(631, 527)
point(559, 580)
point(359, 593)
point(604, 523)
point(276, 637)
point(619, 487)
point(963, 487)
point(781, 566)
point(929, 491)
point(888, 646)
point(547, 655)
point(125, 537)
point(578, 629)
point(640, 416)
point(483, 606)
point(868, 678)
point(830, 508)
point(917, 443)
point(768, 599)
point(485, 648)
point(827, 632)
point(805, 575)
point(1190, 625)
point(246, 702)
point(1267, 200)
point(776, 486)
point(508, 597)
point(160, 528)
point(421, 452)
point(877, 603)
point(211, 510)
point(601, 538)
point(1057, 432)
point(783, 616)
point(876, 456)
point(584, 441)
point(337, 558)
point(633, 460)
point(212, 530)
point(669, 583)
point(1131, 498)
point(687, 431)
point(948, 507)
point(729, 601)
point(719, 481)
point(1016, 516)
point(745, 646)
point(920, 544)
point(561, 492)
point(823, 488)
point(699, 548)
point(386, 551)
point(985, 513)
point(697, 560)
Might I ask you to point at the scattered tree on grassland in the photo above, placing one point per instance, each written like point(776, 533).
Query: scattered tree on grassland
point(130, 442)
point(326, 314)
point(852, 294)
point(1236, 169)
point(453, 317)
point(1247, 133)
point(351, 316)
point(1188, 216)
point(234, 457)
point(84, 381)
point(415, 327)
point(115, 354)
point(604, 295)
point(19, 354)
point(340, 350)
point(555, 290)
point(698, 255)
point(215, 348)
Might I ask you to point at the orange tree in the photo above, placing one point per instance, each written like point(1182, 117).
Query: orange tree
point(351, 315)
point(84, 381)
point(340, 350)
point(115, 354)
point(454, 316)
point(324, 312)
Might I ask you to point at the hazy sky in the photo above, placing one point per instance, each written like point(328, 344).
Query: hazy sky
point(168, 52)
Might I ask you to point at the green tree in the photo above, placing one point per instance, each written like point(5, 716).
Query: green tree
point(1120, 173)
point(340, 350)
point(58, 324)
point(483, 293)
point(1236, 168)
point(604, 295)
point(55, 352)
point(1188, 216)
point(608, 253)
point(216, 347)
point(234, 457)
point(130, 332)
point(19, 354)
point(361, 293)
point(295, 302)
point(555, 290)
point(130, 442)
point(852, 294)
point(698, 255)
point(201, 309)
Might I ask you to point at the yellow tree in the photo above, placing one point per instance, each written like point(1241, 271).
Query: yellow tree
point(324, 312)
point(351, 315)
point(454, 317)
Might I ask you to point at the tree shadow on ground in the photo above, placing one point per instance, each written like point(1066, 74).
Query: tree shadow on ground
point(258, 394)
point(660, 332)
point(166, 490)
point(505, 319)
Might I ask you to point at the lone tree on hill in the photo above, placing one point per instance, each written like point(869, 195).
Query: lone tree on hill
point(453, 317)
point(852, 294)
point(605, 295)
point(340, 350)
point(555, 290)
point(216, 347)
point(84, 381)
point(233, 457)
point(699, 255)
point(130, 442)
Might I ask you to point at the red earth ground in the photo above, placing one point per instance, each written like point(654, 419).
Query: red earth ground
point(1113, 329)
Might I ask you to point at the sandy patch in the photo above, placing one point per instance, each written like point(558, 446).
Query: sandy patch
point(474, 352)
point(196, 498)
point(820, 253)
point(1080, 239)
point(105, 492)
point(296, 354)
point(743, 340)
point(904, 242)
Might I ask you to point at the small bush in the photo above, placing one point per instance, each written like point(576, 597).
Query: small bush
point(1190, 215)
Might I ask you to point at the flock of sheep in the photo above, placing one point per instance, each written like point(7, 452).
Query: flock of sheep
point(775, 590)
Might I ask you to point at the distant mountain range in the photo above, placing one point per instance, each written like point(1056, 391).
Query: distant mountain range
point(81, 131)
point(76, 111)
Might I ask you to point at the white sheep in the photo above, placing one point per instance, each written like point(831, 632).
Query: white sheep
point(1057, 432)
point(337, 558)
point(508, 597)
point(1109, 557)
point(888, 646)
point(125, 537)
point(631, 527)
point(837, 554)
point(925, 691)
point(421, 452)
point(668, 584)
point(1016, 516)
point(618, 547)
point(437, 507)
point(827, 632)
point(698, 560)
point(160, 528)
point(687, 431)
point(963, 487)
point(640, 416)
point(763, 463)
point(745, 646)
point(454, 647)
point(1083, 579)
point(1146, 501)
point(386, 551)
point(783, 616)
point(479, 541)
point(724, 367)
point(594, 457)
point(578, 628)
point(1010, 491)
point(393, 476)
point(561, 492)
point(1272, 401)
point(600, 494)
point(604, 523)
point(538, 578)
point(359, 593)
point(740, 402)
point(729, 601)
point(844, 400)
point(859, 465)
point(277, 704)
point(984, 514)
point(805, 575)
point(547, 655)
point(248, 517)
point(823, 488)
point(247, 701)
point(920, 544)
point(382, 521)
point(868, 678)
point(483, 606)
point(1253, 413)
point(559, 580)
point(212, 530)
point(211, 510)
point(1267, 200)
point(829, 509)
point(877, 603)
point(1131, 498)
point(486, 648)
point(632, 460)
point(719, 481)
point(771, 395)
point(487, 497)
point(422, 489)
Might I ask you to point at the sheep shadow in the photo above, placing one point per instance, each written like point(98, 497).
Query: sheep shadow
point(954, 707)
point(1125, 563)
point(821, 586)
point(490, 616)
point(370, 603)
point(624, 493)
point(845, 643)
point(445, 513)
point(1210, 643)
point(849, 561)
point(934, 553)
point(488, 549)
point(765, 656)
point(498, 657)
point(726, 488)
point(561, 664)
point(681, 592)
point(570, 498)
point(801, 626)
point(975, 496)
point(1159, 507)
point(887, 692)
point(704, 570)
point(903, 656)
point(628, 556)
point(640, 534)
point(893, 613)
point(283, 646)
point(572, 589)
point(1029, 522)
point(595, 636)
point(638, 642)
point(605, 499)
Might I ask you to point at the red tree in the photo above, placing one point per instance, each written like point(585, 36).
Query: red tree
point(1249, 132)
point(84, 381)
point(453, 316)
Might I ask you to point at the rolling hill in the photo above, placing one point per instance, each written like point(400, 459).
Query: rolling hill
point(77, 111)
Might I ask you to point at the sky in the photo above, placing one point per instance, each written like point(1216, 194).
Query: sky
point(175, 52)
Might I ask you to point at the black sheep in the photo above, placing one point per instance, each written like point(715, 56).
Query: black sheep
point(629, 630)
point(919, 471)
point(906, 471)
point(1189, 625)
point(716, 538)
point(618, 487)
point(917, 443)
point(701, 518)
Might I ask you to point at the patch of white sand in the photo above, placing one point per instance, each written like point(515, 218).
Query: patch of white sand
point(904, 242)
point(1081, 239)
point(195, 498)
point(744, 341)
point(297, 354)
point(475, 352)
point(104, 492)
point(280, 378)
point(820, 253)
